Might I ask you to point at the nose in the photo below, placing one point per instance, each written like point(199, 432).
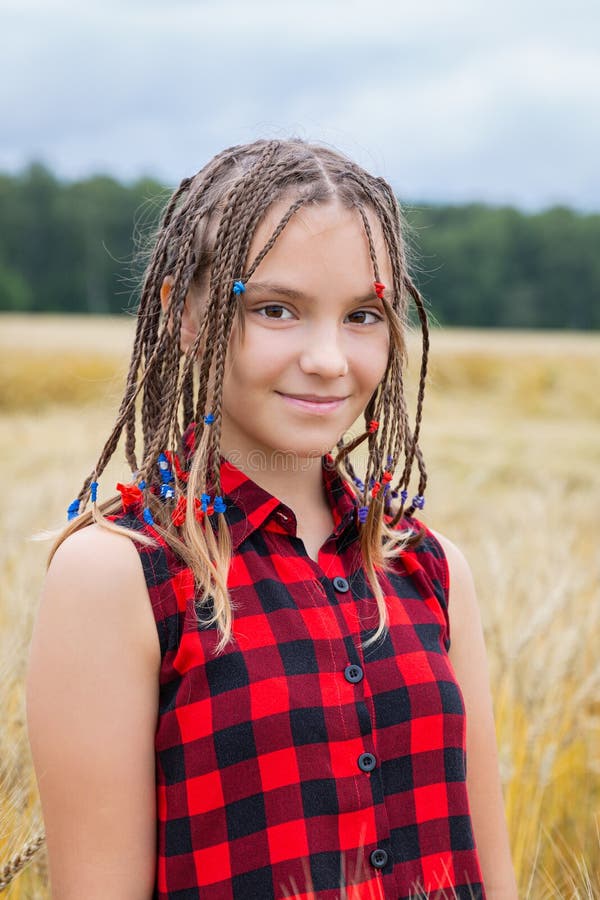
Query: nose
point(323, 353)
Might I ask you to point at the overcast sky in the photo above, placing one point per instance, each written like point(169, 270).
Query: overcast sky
point(491, 100)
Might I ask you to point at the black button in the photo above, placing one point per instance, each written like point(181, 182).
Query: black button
point(341, 585)
point(367, 762)
point(379, 858)
point(353, 674)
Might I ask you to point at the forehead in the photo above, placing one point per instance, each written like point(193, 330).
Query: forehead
point(323, 239)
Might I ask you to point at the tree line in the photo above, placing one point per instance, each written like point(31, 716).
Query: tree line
point(80, 247)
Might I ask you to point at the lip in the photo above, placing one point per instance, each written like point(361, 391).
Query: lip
point(314, 403)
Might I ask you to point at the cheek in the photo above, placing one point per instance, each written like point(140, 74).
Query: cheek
point(374, 360)
point(250, 366)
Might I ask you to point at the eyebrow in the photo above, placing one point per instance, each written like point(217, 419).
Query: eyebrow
point(255, 287)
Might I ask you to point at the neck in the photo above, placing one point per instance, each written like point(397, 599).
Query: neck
point(295, 481)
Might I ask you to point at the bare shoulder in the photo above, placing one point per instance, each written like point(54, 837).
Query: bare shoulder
point(99, 572)
point(461, 576)
point(466, 632)
point(96, 544)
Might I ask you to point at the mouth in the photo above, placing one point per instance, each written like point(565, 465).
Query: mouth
point(313, 403)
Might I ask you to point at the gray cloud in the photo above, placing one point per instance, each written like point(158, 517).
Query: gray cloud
point(451, 101)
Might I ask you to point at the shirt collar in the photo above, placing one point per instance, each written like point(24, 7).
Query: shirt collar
point(249, 506)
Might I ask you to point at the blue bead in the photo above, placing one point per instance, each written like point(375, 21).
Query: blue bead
point(418, 501)
point(73, 510)
point(403, 496)
point(363, 512)
point(148, 516)
point(219, 505)
point(238, 287)
point(94, 491)
point(209, 419)
point(142, 485)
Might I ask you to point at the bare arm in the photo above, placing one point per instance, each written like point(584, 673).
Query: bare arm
point(92, 700)
point(468, 656)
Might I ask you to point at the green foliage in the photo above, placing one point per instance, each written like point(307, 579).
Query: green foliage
point(480, 266)
point(70, 248)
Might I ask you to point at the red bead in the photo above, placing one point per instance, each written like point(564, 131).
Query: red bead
point(198, 511)
point(373, 426)
point(375, 489)
point(387, 476)
point(176, 464)
point(178, 514)
point(379, 289)
point(130, 494)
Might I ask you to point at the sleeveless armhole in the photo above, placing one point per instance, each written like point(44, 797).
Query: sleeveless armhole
point(431, 558)
point(167, 579)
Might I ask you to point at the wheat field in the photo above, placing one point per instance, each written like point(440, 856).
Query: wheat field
point(511, 438)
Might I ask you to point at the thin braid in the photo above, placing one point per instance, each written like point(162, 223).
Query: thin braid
point(216, 314)
point(188, 396)
point(229, 254)
point(391, 395)
point(288, 215)
point(162, 382)
point(421, 391)
point(376, 448)
point(224, 329)
point(391, 219)
point(411, 443)
point(376, 440)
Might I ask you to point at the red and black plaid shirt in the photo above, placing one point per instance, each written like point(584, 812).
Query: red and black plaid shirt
point(295, 761)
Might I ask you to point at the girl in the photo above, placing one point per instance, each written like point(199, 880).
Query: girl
point(253, 674)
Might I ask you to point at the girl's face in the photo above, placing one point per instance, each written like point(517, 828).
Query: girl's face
point(314, 327)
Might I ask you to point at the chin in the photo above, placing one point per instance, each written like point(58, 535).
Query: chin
point(294, 451)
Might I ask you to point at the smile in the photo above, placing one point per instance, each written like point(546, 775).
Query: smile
point(319, 407)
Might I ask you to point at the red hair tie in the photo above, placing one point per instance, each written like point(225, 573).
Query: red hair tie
point(175, 461)
point(178, 514)
point(130, 494)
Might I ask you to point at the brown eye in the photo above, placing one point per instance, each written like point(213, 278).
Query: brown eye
point(272, 307)
point(366, 312)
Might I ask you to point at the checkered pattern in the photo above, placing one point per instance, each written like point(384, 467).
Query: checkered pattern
point(263, 787)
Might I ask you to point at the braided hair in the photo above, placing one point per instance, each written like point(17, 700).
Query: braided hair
point(203, 240)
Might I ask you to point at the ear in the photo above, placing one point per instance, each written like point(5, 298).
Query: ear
point(189, 324)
